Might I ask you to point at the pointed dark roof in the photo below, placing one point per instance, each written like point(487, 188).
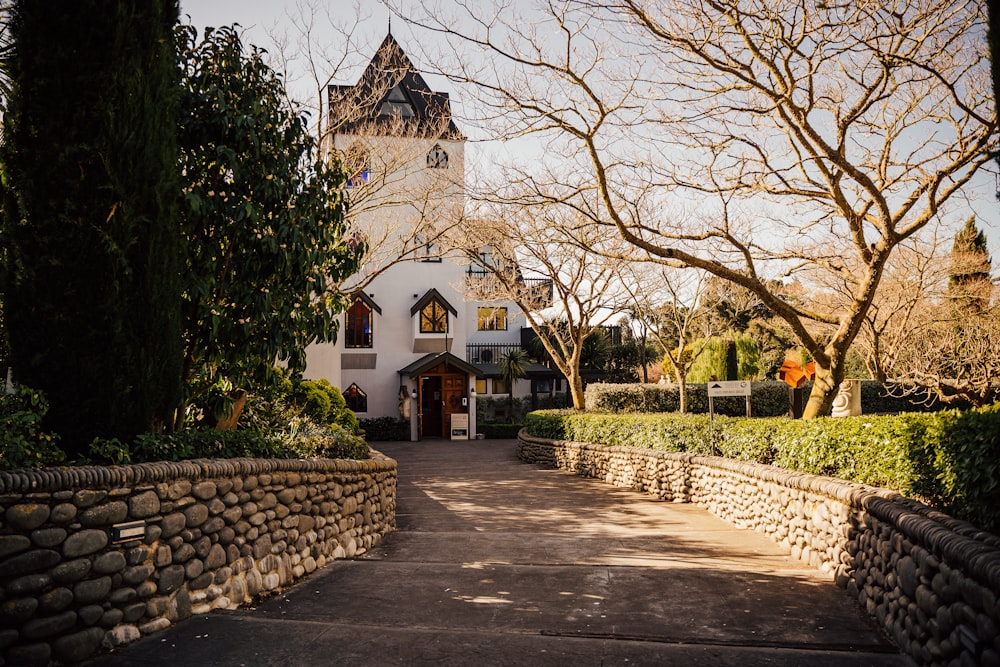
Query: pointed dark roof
point(391, 98)
point(429, 361)
point(430, 295)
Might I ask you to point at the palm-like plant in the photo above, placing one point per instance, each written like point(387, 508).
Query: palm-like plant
point(513, 366)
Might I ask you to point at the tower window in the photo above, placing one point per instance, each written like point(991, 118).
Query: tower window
point(437, 158)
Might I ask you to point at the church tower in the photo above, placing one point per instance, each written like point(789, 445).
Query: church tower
point(401, 345)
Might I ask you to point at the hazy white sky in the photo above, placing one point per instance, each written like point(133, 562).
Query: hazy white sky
point(261, 17)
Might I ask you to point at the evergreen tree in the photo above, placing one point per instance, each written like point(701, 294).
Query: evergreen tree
point(91, 270)
point(970, 268)
point(264, 219)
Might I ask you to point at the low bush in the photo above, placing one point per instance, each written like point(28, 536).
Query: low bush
point(303, 440)
point(23, 442)
point(949, 459)
point(767, 399)
point(384, 428)
point(500, 431)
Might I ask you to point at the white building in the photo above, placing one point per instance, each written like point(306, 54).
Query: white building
point(410, 345)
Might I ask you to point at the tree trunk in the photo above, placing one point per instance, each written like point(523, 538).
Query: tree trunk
point(576, 391)
point(682, 391)
point(824, 390)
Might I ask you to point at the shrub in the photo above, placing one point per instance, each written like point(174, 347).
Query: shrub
point(500, 431)
point(23, 444)
point(768, 399)
point(384, 428)
point(323, 403)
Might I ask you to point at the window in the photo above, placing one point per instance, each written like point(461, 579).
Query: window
point(397, 103)
point(480, 385)
point(425, 247)
point(356, 399)
point(434, 317)
point(359, 324)
point(437, 158)
point(500, 387)
point(357, 164)
point(492, 319)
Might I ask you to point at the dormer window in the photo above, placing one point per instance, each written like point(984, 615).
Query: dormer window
point(437, 158)
point(433, 310)
point(434, 318)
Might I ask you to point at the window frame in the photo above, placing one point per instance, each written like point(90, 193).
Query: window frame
point(434, 304)
point(356, 396)
point(368, 339)
point(485, 315)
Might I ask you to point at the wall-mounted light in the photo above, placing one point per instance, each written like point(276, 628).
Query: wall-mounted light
point(413, 393)
point(472, 391)
point(126, 532)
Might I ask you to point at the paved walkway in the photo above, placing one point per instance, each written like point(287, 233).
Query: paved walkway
point(500, 563)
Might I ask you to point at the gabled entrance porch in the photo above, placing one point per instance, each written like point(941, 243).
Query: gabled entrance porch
point(442, 388)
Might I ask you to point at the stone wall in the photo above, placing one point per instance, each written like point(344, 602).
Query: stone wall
point(209, 534)
point(931, 581)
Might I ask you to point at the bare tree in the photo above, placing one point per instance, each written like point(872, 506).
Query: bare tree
point(540, 260)
point(813, 138)
point(670, 304)
point(398, 205)
point(950, 355)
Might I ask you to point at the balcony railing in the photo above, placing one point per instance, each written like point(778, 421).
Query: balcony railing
point(488, 353)
point(535, 291)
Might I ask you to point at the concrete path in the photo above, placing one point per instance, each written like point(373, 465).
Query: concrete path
point(500, 563)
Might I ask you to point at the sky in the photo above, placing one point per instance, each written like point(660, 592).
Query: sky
point(258, 18)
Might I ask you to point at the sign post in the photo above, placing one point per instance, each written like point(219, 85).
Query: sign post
point(727, 388)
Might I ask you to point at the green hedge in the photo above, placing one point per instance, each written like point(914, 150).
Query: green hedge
point(949, 459)
point(499, 431)
point(384, 428)
point(768, 399)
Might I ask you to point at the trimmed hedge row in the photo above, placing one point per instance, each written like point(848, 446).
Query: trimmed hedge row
point(496, 431)
point(768, 399)
point(949, 459)
point(384, 428)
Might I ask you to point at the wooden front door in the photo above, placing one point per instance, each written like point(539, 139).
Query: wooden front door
point(430, 406)
point(454, 395)
point(443, 392)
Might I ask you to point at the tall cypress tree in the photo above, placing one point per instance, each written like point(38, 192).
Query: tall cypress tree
point(91, 277)
point(970, 269)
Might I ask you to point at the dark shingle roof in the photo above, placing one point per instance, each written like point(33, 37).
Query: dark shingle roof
point(391, 98)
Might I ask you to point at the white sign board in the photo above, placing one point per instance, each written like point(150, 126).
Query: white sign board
point(729, 388)
point(459, 426)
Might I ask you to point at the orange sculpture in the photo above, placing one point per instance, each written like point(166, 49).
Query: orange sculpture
point(795, 375)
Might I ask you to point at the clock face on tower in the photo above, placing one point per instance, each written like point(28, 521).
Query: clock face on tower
point(437, 158)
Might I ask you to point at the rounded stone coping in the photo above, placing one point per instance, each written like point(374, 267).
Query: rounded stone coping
point(944, 536)
point(112, 477)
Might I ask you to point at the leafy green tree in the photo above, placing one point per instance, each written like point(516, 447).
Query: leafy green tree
point(513, 366)
point(264, 215)
point(91, 270)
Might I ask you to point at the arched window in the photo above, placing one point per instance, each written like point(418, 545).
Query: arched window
point(356, 399)
point(359, 324)
point(437, 158)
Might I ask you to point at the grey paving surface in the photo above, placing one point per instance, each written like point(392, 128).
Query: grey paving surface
point(500, 563)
